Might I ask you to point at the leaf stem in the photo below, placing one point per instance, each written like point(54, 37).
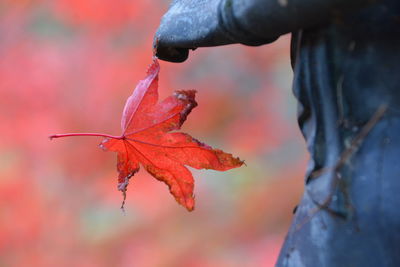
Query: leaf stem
point(85, 134)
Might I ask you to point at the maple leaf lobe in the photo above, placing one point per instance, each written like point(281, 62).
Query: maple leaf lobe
point(189, 97)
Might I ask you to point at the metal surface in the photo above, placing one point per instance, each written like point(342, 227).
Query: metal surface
point(346, 60)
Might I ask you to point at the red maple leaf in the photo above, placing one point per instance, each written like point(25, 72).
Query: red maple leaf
point(149, 139)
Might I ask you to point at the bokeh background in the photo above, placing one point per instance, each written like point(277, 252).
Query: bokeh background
point(68, 66)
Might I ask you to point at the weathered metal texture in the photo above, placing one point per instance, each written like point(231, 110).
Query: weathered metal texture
point(346, 61)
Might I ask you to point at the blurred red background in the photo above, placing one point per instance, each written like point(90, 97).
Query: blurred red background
point(69, 65)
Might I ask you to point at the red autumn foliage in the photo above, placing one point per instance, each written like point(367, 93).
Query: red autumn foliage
point(147, 139)
point(64, 66)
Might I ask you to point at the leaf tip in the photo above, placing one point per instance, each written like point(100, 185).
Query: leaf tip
point(188, 98)
point(243, 163)
point(238, 162)
point(189, 204)
point(123, 187)
point(190, 209)
point(154, 67)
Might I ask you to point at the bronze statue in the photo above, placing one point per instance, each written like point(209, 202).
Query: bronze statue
point(345, 55)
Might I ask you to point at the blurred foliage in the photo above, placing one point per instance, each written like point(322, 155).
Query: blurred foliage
point(69, 65)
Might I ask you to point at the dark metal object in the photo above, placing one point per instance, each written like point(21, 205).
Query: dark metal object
point(189, 24)
point(346, 60)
